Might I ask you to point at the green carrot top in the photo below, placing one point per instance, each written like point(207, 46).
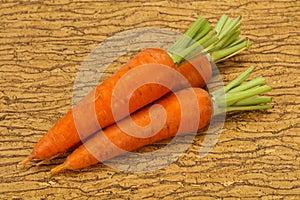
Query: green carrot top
point(220, 43)
point(240, 95)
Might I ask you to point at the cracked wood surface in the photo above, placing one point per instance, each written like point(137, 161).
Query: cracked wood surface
point(43, 44)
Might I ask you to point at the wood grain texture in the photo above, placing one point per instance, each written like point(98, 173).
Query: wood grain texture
point(42, 45)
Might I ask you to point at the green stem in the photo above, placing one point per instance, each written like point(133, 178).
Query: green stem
point(253, 101)
point(230, 38)
point(207, 40)
point(221, 43)
point(187, 43)
point(230, 26)
point(260, 107)
point(228, 52)
point(237, 41)
point(255, 82)
point(195, 46)
point(221, 23)
point(183, 41)
point(197, 49)
point(231, 98)
point(239, 79)
point(238, 96)
point(203, 32)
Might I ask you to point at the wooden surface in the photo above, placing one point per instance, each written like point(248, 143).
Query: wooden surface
point(42, 45)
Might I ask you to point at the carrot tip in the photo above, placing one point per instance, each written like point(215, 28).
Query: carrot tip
point(58, 169)
point(45, 161)
point(41, 163)
point(26, 160)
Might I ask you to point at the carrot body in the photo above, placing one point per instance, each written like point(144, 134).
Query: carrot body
point(115, 141)
point(64, 134)
point(197, 72)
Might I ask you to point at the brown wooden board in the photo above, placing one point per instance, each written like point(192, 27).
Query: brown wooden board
point(42, 45)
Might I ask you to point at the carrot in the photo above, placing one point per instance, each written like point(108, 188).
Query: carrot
point(113, 141)
point(95, 111)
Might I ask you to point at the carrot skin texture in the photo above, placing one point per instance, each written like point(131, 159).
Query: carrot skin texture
point(101, 143)
point(64, 134)
point(197, 72)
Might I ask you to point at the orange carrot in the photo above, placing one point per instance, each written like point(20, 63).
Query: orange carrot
point(63, 135)
point(221, 43)
point(105, 148)
point(113, 141)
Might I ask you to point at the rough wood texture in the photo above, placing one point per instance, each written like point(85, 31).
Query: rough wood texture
point(43, 44)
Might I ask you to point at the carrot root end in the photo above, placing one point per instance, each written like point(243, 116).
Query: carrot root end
point(47, 160)
point(58, 169)
point(26, 160)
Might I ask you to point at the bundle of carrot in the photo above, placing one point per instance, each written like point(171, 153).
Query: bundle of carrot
point(217, 44)
point(113, 141)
